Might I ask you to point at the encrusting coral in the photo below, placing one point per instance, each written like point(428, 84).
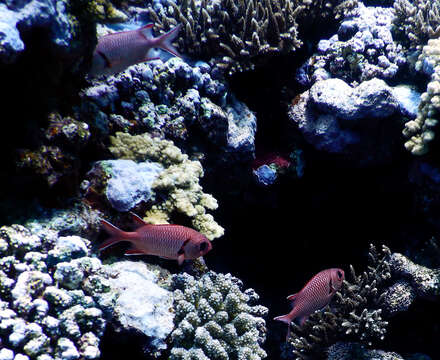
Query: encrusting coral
point(354, 314)
point(178, 184)
point(215, 319)
point(420, 132)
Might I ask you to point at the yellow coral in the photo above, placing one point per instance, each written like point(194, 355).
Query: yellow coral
point(179, 181)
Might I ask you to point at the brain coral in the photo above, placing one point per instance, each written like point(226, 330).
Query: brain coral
point(215, 319)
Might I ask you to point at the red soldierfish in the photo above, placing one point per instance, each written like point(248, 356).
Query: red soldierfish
point(115, 52)
point(167, 241)
point(315, 295)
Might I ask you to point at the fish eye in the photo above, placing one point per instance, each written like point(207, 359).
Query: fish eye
point(339, 275)
point(203, 246)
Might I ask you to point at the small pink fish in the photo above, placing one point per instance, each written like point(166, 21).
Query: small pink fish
point(315, 295)
point(115, 52)
point(167, 241)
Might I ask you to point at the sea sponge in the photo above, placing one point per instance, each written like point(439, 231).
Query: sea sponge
point(215, 319)
point(178, 183)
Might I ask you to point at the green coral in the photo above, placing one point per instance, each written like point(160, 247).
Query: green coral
point(215, 319)
point(420, 132)
point(179, 182)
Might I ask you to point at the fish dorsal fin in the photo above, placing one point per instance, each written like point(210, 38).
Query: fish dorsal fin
point(147, 31)
point(292, 298)
point(138, 220)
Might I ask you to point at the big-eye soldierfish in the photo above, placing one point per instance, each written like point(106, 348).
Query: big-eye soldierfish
point(165, 240)
point(117, 51)
point(315, 295)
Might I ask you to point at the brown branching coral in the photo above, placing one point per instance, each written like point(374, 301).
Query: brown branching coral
point(355, 314)
point(237, 31)
point(417, 21)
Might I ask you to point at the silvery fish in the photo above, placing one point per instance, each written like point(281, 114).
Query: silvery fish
point(115, 52)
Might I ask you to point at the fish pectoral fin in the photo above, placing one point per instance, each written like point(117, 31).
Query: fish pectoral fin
point(180, 259)
point(332, 289)
point(292, 297)
point(137, 220)
point(134, 251)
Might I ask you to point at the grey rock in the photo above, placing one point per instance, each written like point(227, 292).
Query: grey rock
point(371, 99)
point(130, 182)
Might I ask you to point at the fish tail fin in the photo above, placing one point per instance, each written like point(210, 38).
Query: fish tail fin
point(116, 235)
point(165, 41)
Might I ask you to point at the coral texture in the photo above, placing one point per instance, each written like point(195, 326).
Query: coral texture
point(172, 99)
point(420, 132)
point(236, 30)
point(46, 286)
point(362, 49)
point(355, 313)
point(178, 183)
point(215, 319)
point(416, 21)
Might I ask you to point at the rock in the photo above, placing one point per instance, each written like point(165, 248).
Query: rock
point(140, 302)
point(357, 123)
point(130, 182)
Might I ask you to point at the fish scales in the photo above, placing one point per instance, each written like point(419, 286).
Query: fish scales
point(315, 295)
point(166, 240)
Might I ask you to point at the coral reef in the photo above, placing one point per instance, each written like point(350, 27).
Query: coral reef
point(46, 288)
point(420, 132)
point(138, 299)
point(348, 351)
point(362, 49)
point(178, 184)
point(233, 31)
point(215, 319)
point(172, 99)
point(355, 313)
point(356, 123)
point(416, 21)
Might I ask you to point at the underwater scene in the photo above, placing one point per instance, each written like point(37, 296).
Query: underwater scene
point(220, 179)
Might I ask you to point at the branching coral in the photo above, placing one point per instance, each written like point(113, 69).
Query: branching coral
point(236, 30)
point(215, 319)
point(355, 314)
point(178, 183)
point(417, 21)
point(420, 131)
